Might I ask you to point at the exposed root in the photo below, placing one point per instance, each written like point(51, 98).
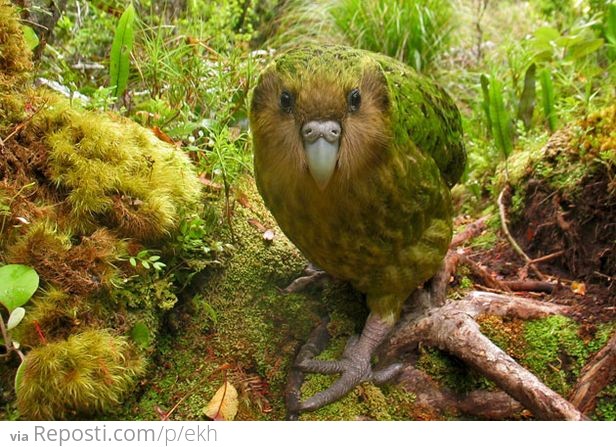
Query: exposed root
point(496, 405)
point(512, 241)
point(595, 376)
point(452, 328)
point(470, 231)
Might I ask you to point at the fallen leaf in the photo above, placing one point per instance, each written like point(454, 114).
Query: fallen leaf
point(243, 200)
point(162, 135)
point(209, 183)
point(223, 406)
point(579, 288)
point(258, 225)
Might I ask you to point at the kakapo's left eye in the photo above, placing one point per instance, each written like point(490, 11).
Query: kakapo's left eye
point(286, 101)
point(354, 100)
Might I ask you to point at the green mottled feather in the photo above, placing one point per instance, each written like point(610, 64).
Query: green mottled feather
point(387, 228)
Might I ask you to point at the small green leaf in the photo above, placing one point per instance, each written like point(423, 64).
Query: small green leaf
point(153, 258)
point(145, 264)
point(17, 285)
point(159, 265)
point(120, 51)
point(546, 34)
point(141, 334)
point(579, 50)
point(133, 262)
point(30, 37)
point(15, 318)
point(19, 375)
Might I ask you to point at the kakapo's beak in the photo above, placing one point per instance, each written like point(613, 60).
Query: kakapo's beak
point(321, 143)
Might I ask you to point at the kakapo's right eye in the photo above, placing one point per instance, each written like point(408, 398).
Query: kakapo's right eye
point(286, 101)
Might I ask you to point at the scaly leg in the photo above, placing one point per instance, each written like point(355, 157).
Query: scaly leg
point(354, 367)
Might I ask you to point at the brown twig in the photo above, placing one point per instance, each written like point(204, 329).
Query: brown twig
point(484, 275)
point(512, 241)
point(529, 286)
point(547, 257)
point(470, 231)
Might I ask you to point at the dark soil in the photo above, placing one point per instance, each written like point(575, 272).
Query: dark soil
point(584, 228)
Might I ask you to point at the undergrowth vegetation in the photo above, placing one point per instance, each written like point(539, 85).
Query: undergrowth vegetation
point(519, 70)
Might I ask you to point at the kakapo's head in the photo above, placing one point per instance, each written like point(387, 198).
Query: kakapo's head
point(321, 114)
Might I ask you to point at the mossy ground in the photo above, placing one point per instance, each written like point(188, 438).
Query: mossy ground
point(241, 326)
point(82, 192)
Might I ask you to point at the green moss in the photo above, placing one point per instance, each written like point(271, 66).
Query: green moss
point(555, 351)
point(15, 56)
point(450, 372)
point(114, 172)
point(87, 373)
point(506, 334)
point(606, 404)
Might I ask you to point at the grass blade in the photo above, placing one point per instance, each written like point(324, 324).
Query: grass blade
point(526, 106)
point(120, 51)
point(501, 122)
point(547, 93)
point(485, 104)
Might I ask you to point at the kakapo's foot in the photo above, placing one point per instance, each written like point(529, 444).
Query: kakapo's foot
point(312, 275)
point(354, 366)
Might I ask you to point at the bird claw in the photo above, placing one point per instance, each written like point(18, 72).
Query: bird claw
point(311, 275)
point(353, 367)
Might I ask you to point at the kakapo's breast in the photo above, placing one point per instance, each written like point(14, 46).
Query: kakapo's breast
point(386, 232)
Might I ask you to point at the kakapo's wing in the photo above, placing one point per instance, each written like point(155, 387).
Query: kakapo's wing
point(424, 113)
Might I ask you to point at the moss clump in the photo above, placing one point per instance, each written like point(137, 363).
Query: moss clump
point(113, 172)
point(555, 351)
point(15, 56)
point(450, 372)
point(82, 192)
point(86, 373)
point(506, 334)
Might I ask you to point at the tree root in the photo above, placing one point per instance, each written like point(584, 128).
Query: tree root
point(495, 405)
point(452, 328)
point(595, 376)
point(512, 241)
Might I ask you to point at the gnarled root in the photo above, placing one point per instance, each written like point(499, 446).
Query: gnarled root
point(452, 328)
